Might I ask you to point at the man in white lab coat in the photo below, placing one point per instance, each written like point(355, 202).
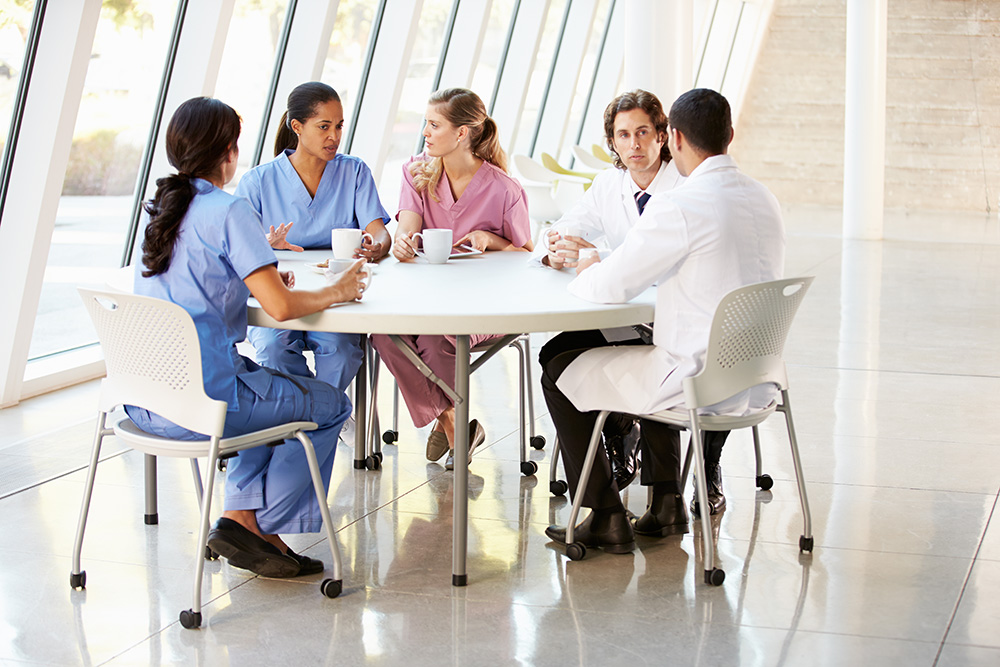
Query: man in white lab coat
point(718, 231)
point(635, 128)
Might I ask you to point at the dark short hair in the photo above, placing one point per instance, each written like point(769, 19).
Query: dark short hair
point(703, 117)
point(635, 99)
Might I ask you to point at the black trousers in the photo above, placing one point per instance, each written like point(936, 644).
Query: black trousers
point(659, 443)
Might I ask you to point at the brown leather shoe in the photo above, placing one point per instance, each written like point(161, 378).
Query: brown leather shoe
point(615, 535)
point(437, 445)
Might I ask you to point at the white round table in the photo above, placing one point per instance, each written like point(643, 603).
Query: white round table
point(497, 292)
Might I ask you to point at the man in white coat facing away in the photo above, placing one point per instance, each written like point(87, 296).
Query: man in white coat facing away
point(635, 129)
point(718, 231)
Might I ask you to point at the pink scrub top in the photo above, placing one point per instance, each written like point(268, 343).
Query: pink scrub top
point(493, 201)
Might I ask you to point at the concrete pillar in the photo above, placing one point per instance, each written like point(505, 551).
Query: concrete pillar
point(864, 126)
point(659, 47)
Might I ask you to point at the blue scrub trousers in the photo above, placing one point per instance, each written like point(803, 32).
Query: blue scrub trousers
point(273, 481)
point(337, 355)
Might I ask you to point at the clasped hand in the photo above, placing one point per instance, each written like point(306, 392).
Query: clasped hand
point(564, 251)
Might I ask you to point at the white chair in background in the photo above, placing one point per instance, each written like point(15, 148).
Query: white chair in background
point(550, 194)
point(589, 159)
point(745, 346)
point(153, 360)
point(601, 153)
point(552, 164)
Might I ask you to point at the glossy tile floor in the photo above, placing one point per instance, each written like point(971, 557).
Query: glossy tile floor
point(895, 376)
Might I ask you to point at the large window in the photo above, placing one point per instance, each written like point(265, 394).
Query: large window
point(111, 129)
point(417, 88)
point(539, 76)
point(246, 69)
point(15, 22)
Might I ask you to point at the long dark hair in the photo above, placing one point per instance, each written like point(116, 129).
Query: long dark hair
point(200, 136)
point(302, 103)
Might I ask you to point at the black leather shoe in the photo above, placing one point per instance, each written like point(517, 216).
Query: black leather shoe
point(623, 452)
point(247, 551)
point(666, 516)
point(716, 501)
point(615, 535)
point(307, 565)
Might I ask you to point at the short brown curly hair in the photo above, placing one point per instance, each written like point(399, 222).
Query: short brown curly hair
point(635, 99)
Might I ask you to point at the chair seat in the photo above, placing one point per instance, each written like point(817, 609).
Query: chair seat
point(159, 446)
point(679, 416)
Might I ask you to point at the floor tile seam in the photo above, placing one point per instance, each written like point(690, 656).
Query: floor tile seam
point(965, 581)
point(928, 642)
point(53, 478)
point(891, 371)
point(176, 621)
point(44, 434)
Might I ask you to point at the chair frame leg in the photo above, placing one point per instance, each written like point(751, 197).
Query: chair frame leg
point(88, 490)
point(525, 344)
point(151, 517)
point(695, 453)
point(324, 507)
point(588, 464)
point(786, 409)
point(521, 408)
point(206, 511)
point(756, 452)
point(553, 467)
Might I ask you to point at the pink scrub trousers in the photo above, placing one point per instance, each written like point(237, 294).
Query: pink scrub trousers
point(424, 399)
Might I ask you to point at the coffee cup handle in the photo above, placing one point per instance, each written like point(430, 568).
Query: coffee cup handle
point(367, 270)
point(414, 238)
point(371, 239)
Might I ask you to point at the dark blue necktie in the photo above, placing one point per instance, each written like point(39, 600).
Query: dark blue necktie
point(640, 200)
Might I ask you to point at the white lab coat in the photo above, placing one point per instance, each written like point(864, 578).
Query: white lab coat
point(718, 231)
point(607, 211)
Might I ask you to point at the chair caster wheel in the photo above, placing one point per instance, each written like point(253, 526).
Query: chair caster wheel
point(528, 468)
point(558, 488)
point(221, 465)
point(378, 455)
point(764, 482)
point(78, 580)
point(331, 588)
point(209, 554)
point(190, 619)
point(805, 543)
point(537, 441)
point(390, 437)
point(715, 576)
point(576, 551)
point(373, 462)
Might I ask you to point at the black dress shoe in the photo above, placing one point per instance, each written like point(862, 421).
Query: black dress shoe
point(666, 516)
point(623, 453)
point(613, 533)
point(247, 551)
point(307, 565)
point(716, 501)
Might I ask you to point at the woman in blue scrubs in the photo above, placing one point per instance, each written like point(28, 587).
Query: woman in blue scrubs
point(306, 191)
point(206, 251)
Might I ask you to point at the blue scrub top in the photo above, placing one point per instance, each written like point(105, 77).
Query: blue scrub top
point(219, 243)
point(346, 198)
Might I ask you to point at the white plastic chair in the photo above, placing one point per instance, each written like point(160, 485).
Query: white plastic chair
point(602, 154)
point(153, 360)
point(550, 194)
point(526, 408)
point(744, 350)
point(589, 159)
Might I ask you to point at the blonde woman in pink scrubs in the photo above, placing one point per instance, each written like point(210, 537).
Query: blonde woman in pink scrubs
point(460, 183)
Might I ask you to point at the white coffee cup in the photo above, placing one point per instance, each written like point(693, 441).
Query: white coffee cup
point(436, 245)
point(571, 229)
point(335, 267)
point(345, 241)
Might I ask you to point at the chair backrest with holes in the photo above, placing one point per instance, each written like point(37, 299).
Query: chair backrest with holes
point(153, 359)
point(747, 340)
